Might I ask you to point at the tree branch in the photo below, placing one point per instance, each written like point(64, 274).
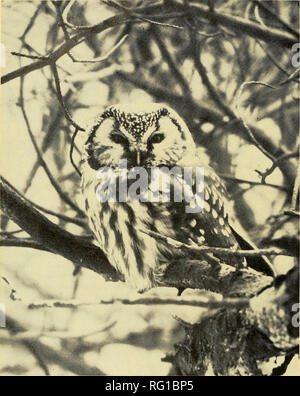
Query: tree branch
point(232, 22)
point(225, 280)
point(217, 250)
point(209, 302)
point(43, 164)
point(22, 242)
point(65, 48)
point(275, 16)
point(64, 358)
point(190, 110)
point(51, 237)
point(239, 24)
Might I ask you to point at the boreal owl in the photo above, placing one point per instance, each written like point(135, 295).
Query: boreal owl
point(152, 136)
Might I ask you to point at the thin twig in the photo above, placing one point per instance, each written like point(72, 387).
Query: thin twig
point(296, 189)
point(53, 182)
point(163, 24)
point(72, 150)
point(57, 5)
point(62, 335)
point(209, 302)
point(216, 97)
point(277, 17)
point(105, 57)
point(34, 57)
point(67, 36)
point(272, 58)
point(245, 26)
point(291, 77)
point(130, 11)
point(217, 250)
point(10, 233)
point(61, 100)
point(250, 133)
point(276, 164)
point(31, 24)
point(252, 183)
point(170, 62)
point(70, 25)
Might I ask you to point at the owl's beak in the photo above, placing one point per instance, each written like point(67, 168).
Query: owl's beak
point(138, 153)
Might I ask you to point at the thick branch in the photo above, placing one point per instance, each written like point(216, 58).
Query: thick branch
point(52, 237)
point(238, 24)
point(22, 242)
point(193, 274)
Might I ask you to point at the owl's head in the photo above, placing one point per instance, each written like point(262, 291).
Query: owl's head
point(147, 136)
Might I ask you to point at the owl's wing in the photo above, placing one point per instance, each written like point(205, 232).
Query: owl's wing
point(213, 227)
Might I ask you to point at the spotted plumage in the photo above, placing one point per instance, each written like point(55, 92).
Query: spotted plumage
point(152, 137)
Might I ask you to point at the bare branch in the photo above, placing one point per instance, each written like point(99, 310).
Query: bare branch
point(103, 58)
point(192, 274)
point(65, 48)
point(242, 25)
point(250, 133)
point(252, 183)
point(296, 189)
point(292, 213)
point(66, 359)
point(170, 62)
point(216, 97)
point(217, 250)
point(67, 219)
point(61, 100)
point(277, 64)
point(276, 165)
point(187, 106)
point(210, 302)
point(276, 17)
point(72, 150)
point(236, 23)
point(52, 237)
point(53, 182)
point(291, 77)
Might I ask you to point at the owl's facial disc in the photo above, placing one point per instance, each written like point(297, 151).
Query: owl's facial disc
point(156, 138)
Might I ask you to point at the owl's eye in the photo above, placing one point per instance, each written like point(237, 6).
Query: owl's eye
point(119, 138)
point(157, 138)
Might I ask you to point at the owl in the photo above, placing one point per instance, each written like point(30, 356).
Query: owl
point(152, 136)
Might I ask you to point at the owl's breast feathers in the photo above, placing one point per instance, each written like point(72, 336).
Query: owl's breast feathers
point(121, 230)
